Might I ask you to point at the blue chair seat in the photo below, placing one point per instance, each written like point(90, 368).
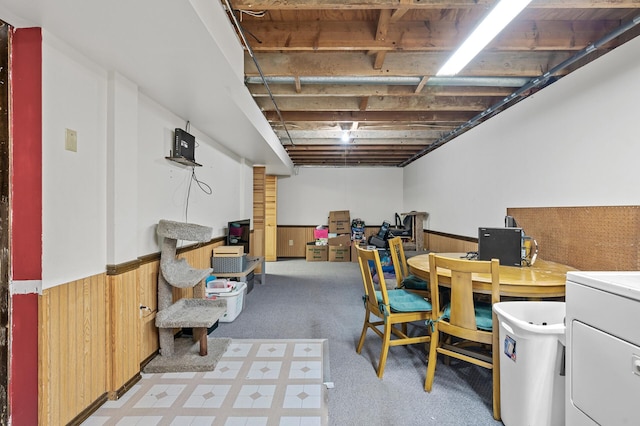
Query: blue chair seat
point(484, 319)
point(414, 283)
point(405, 301)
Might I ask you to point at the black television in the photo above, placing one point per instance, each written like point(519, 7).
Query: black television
point(239, 234)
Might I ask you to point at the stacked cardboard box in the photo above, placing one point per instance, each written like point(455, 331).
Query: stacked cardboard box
point(339, 222)
point(339, 248)
point(332, 244)
point(317, 253)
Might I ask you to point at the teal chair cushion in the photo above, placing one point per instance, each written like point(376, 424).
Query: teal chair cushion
point(414, 283)
point(405, 301)
point(484, 320)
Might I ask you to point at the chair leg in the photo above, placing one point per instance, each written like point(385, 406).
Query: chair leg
point(433, 358)
point(385, 349)
point(364, 331)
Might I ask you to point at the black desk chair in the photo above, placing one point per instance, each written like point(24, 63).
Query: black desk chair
point(403, 228)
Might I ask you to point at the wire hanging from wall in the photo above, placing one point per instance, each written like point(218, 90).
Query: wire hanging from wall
point(202, 185)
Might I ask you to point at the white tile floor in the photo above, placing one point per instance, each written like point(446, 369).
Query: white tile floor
point(255, 383)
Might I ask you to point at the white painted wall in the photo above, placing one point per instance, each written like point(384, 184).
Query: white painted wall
point(84, 228)
point(574, 143)
point(166, 188)
point(372, 194)
point(74, 183)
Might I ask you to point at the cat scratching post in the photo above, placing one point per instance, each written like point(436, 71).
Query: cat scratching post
point(197, 313)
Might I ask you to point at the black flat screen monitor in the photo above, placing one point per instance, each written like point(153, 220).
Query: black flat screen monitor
point(239, 234)
point(504, 244)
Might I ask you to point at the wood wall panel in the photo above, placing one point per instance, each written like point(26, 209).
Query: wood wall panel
point(72, 348)
point(125, 333)
point(443, 243)
point(148, 288)
point(271, 219)
point(605, 238)
point(292, 240)
point(259, 176)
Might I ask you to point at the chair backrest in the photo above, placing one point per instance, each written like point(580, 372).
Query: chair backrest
point(369, 261)
point(461, 276)
point(399, 259)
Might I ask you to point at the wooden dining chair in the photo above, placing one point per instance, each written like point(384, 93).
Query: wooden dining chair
point(386, 309)
point(470, 326)
point(404, 279)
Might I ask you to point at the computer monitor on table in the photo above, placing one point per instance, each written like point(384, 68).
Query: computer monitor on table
point(504, 244)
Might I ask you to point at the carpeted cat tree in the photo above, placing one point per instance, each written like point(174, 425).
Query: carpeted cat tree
point(198, 313)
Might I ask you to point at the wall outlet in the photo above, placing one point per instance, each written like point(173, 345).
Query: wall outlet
point(290, 242)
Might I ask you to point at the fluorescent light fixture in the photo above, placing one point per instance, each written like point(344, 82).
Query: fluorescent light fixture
point(493, 23)
point(345, 136)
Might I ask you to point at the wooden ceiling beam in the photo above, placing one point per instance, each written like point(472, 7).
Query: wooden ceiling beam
point(331, 90)
point(417, 36)
point(399, 135)
point(506, 64)
point(260, 5)
point(439, 117)
point(378, 103)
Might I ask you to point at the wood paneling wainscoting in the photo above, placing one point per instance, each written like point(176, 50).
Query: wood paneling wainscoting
point(73, 349)
point(292, 240)
point(441, 242)
point(95, 334)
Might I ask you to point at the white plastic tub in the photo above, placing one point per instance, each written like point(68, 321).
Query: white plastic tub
point(531, 362)
point(235, 301)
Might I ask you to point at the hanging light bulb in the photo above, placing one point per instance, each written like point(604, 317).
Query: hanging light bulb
point(345, 136)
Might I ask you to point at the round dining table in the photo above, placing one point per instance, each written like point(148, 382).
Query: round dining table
point(542, 280)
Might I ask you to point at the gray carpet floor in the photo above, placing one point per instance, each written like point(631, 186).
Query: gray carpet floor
point(323, 300)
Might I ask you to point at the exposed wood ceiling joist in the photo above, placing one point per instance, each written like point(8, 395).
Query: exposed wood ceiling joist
point(385, 53)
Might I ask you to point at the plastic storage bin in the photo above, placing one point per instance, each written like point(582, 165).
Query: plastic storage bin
point(531, 362)
point(235, 301)
point(228, 264)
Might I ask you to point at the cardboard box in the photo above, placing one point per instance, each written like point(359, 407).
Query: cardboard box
point(339, 254)
point(317, 253)
point(340, 222)
point(340, 240)
point(228, 251)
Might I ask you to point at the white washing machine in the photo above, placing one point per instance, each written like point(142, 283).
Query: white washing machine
point(603, 348)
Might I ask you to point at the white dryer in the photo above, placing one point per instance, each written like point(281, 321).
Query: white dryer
point(603, 348)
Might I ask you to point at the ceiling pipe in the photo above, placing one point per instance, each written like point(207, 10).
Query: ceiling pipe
point(534, 83)
point(236, 23)
point(397, 80)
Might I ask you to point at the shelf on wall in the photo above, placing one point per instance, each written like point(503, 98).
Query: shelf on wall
point(184, 161)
